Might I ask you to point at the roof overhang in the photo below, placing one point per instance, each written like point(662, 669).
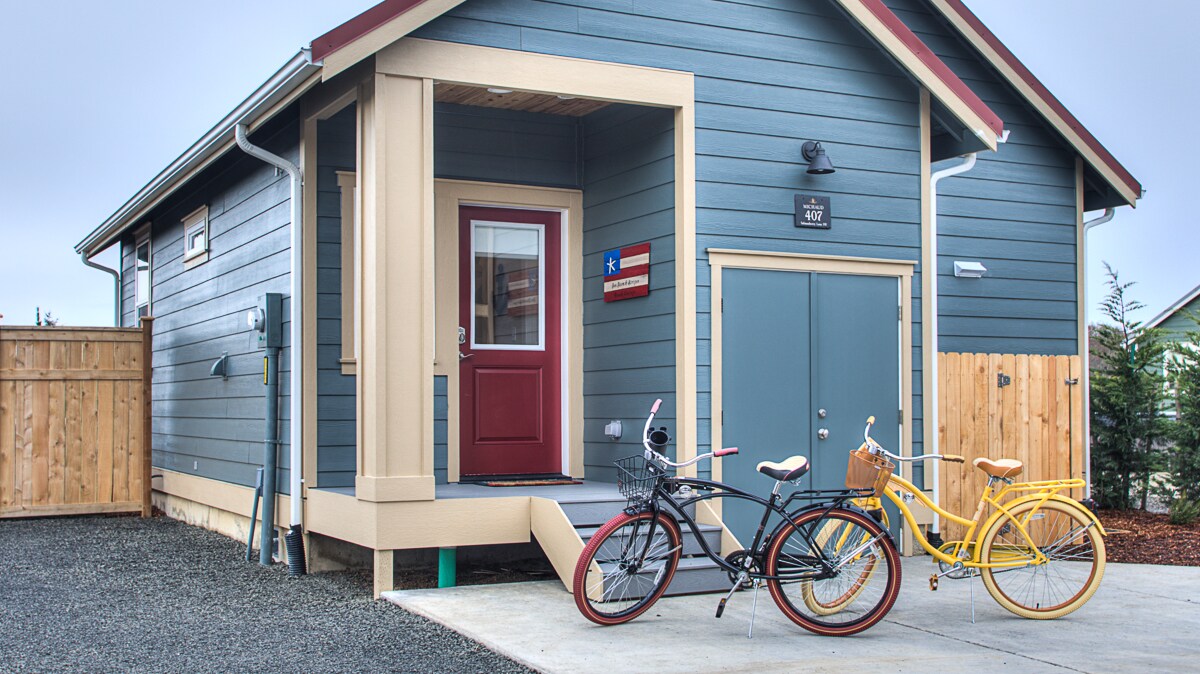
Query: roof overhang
point(296, 76)
point(1170, 311)
point(1038, 96)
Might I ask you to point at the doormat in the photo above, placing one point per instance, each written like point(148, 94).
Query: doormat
point(529, 483)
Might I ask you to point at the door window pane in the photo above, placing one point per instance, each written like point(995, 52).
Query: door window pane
point(508, 288)
point(142, 278)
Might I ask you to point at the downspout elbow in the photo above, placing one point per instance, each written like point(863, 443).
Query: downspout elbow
point(116, 286)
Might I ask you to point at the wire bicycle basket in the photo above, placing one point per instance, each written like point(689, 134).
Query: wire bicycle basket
point(636, 477)
point(865, 470)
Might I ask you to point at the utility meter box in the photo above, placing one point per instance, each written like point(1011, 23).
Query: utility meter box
point(266, 320)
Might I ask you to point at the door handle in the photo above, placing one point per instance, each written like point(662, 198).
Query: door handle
point(823, 433)
point(464, 356)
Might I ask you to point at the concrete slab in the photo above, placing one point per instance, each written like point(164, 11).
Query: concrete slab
point(1143, 618)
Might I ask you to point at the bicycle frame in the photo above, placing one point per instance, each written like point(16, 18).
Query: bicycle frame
point(829, 500)
point(1043, 491)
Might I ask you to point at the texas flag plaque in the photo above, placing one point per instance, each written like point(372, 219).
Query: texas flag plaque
point(627, 272)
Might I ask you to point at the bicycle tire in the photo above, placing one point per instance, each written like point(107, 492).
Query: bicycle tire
point(627, 584)
point(1076, 554)
point(865, 597)
point(828, 606)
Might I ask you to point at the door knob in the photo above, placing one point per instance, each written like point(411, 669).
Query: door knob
point(823, 433)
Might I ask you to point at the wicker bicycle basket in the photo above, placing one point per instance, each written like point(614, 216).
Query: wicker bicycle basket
point(635, 478)
point(868, 471)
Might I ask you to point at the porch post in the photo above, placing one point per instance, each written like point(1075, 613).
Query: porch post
point(395, 370)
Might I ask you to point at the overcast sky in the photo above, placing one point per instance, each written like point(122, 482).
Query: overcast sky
point(100, 96)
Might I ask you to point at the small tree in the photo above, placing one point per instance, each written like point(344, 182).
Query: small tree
point(1126, 397)
point(1183, 461)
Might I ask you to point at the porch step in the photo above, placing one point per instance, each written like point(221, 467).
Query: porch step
point(696, 573)
point(691, 546)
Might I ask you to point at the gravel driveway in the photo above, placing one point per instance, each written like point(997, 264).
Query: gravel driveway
point(101, 594)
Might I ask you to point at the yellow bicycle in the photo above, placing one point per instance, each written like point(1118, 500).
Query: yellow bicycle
point(1040, 554)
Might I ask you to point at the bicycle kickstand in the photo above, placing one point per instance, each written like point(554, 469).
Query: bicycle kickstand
point(737, 585)
point(753, 609)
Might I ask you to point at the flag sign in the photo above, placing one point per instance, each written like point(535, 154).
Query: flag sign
point(627, 272)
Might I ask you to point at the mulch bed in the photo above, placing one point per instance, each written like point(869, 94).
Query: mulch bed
point(1139, 537)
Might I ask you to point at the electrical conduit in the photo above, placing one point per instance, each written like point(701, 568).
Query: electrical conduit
point(295, 541)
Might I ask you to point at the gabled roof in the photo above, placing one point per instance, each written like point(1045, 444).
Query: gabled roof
point(1170, 311)
point(390, 20)
point(1038, 96)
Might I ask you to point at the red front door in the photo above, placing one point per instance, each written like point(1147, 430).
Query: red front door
point(509, 334)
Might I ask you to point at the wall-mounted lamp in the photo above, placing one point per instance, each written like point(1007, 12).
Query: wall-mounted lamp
point(964, 269)
point(814, 154)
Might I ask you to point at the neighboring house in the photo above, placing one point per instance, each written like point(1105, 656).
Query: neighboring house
point(470, 169)
point(1174, 325)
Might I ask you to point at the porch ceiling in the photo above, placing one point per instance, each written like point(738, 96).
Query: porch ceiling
point(444, 92)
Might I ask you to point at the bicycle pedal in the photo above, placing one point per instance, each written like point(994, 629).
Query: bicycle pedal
point(721, 607)
point(933, 583)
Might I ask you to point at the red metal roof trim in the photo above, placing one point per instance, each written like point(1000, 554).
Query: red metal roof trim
point(939, 68)
point(359, 26)
point(1040, 89)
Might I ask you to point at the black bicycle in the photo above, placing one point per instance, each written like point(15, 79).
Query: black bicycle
point(829, 565)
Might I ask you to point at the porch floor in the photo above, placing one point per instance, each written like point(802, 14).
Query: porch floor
point(587, 491)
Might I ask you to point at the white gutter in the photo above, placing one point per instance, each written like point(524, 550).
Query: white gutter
point(295, 77)
point(1087, 355)
point(295, 400)
point(967, 163)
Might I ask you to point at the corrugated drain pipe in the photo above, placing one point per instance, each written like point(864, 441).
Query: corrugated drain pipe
point(967, 163)
point(116, 287)
point(295, 535)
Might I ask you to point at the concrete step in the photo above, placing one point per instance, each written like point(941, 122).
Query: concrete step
point(691, 546)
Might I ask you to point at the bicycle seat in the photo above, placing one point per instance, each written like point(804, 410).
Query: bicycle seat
point(999, 467)
point(791, 468)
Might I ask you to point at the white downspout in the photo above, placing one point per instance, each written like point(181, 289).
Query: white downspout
point(1086, 356)
point(967, 163)
point(295, 447)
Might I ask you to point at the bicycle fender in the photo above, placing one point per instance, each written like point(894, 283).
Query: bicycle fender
point(845, 506)
point(1034, 497)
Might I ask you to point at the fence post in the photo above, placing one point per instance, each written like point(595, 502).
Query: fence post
point(147, 407)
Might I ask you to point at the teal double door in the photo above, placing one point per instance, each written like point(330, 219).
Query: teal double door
point(806, 358)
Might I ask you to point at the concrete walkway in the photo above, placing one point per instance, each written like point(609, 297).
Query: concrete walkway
point(1143, 618)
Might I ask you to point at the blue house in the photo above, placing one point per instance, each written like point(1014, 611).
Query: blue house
point(436, 189)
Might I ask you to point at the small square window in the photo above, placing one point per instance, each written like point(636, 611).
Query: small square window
point(195, 234)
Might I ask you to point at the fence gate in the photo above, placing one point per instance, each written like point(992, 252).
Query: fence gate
point(74, 420)
point(1028, 408)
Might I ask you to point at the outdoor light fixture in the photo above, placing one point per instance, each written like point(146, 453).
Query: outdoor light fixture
point(963, 269)
point(818, 163)
point(498, 91)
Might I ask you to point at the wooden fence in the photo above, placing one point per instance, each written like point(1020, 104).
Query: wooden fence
point(1028, 408)
point(74, 420)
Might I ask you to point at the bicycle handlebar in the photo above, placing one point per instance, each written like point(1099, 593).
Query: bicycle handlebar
point(870, 444)
point(651, 453)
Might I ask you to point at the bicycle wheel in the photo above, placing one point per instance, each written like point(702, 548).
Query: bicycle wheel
point(864, 583)
point(839, 535)
point(1075, 554)
point(626, 567)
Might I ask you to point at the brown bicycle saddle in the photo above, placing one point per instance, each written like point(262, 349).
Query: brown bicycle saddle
point(999, 467)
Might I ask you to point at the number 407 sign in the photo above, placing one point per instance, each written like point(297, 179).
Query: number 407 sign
point(813, 212)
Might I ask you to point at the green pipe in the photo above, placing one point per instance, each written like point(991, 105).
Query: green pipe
point(447, 567)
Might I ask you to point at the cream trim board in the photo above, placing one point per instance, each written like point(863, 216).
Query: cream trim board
point(450, 195)
point(721, 259)
point(391, 184)
point(926, 77)
point(384, 35)
point(348, 184)
point(1080, 267)
point(540, 73)
point(308, 277)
